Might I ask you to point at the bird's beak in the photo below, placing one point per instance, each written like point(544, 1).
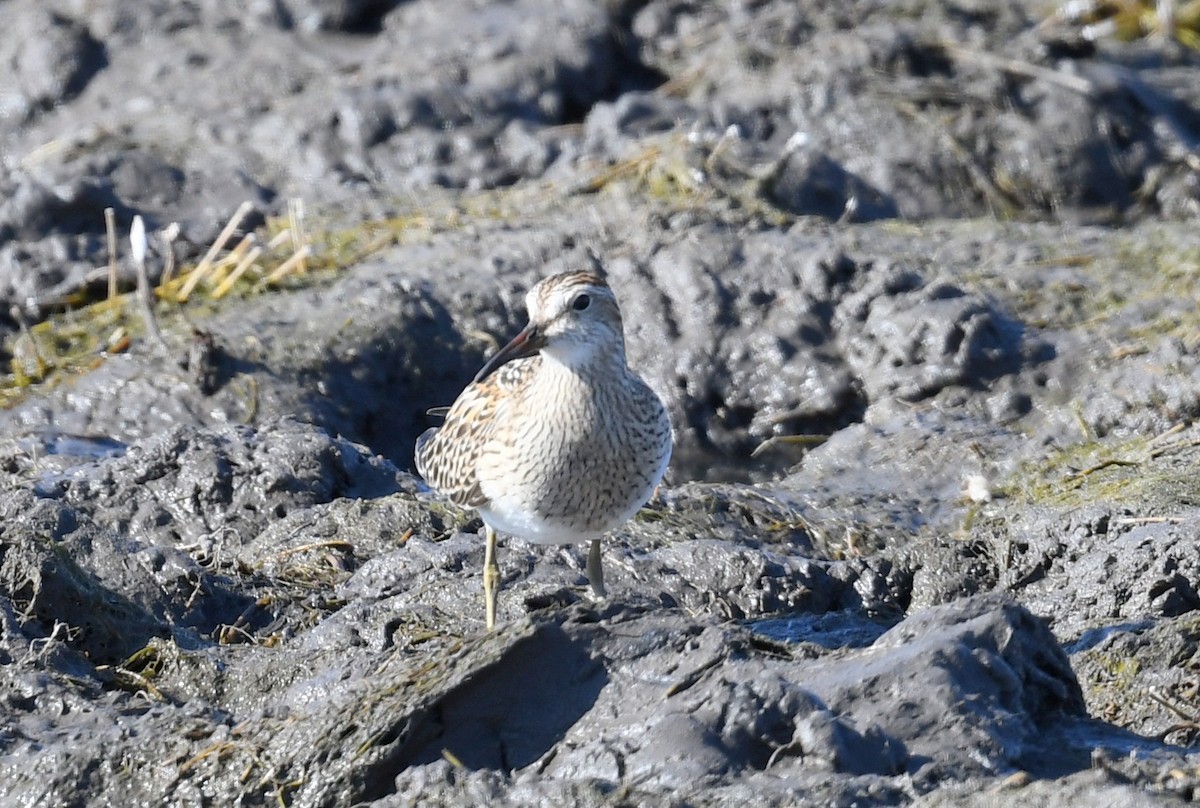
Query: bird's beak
point(527, 343)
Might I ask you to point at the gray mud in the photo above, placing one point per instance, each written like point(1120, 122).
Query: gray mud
point(917, 283)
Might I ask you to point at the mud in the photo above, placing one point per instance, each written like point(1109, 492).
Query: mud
point(917, 284)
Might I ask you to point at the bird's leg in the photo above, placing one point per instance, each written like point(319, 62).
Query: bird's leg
point(491, 577)
point(595, 571)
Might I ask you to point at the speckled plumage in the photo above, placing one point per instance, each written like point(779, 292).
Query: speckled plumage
point(556, 440)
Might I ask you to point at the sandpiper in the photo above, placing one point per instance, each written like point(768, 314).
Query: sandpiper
point(556, 440)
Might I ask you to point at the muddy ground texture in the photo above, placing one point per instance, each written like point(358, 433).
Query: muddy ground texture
point(918, 283)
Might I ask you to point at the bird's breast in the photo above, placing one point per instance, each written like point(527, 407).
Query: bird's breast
point(572, 461)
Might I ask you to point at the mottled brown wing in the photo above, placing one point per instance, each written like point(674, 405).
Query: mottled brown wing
point(446, 456)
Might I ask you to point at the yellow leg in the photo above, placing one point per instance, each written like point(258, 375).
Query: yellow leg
point(491, 577)
point(595, 570)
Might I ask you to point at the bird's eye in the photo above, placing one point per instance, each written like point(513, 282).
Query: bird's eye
point(581, 302)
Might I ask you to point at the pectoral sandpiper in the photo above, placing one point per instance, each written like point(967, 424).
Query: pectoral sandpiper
point(556, 441)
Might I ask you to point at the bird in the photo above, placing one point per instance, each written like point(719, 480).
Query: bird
point(557, 440)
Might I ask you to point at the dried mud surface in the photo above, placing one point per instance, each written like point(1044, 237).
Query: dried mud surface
point(918, 284)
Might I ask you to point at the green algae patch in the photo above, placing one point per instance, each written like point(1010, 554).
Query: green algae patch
point(1111, 684)
point(1152, 476)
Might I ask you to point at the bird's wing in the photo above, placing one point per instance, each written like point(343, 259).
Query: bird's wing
point(447, 456)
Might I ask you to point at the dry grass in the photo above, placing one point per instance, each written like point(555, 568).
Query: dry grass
point(1128, 20)
point(287, 252)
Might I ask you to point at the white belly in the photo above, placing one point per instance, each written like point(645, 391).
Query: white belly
point(515, 518)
